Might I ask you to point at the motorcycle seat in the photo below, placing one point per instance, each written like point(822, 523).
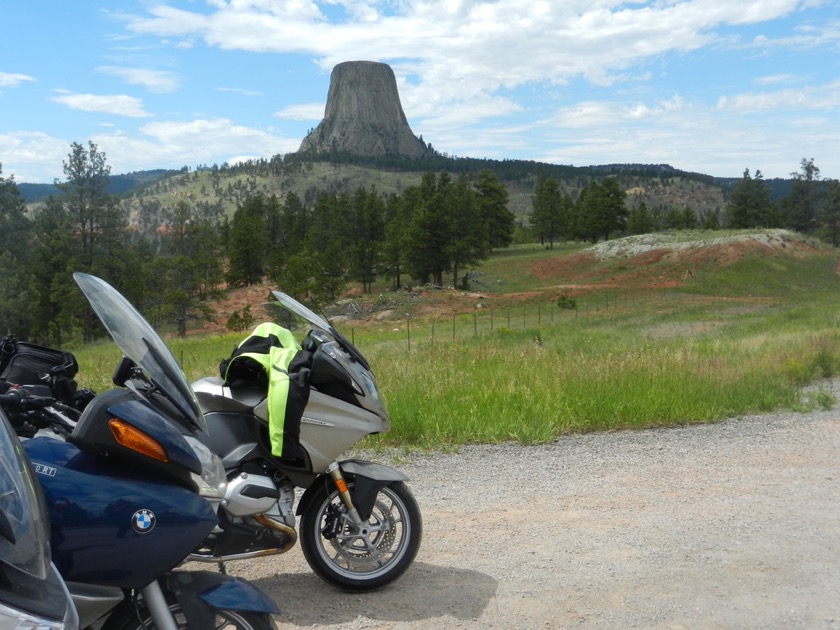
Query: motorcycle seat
point(239, 397)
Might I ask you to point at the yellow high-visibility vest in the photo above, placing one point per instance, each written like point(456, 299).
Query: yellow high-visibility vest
point(271, 355)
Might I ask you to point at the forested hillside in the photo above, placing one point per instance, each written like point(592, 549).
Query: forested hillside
point(317, 225)
point(218, 190)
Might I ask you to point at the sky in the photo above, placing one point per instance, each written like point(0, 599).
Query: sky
point(710, 86)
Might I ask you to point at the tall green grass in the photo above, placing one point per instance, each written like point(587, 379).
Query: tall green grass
point(731, 342)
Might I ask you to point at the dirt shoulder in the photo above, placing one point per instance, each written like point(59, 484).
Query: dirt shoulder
point(730, 525)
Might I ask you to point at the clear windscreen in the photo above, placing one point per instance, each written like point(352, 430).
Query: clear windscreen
point(24, 532)
point(139, 341)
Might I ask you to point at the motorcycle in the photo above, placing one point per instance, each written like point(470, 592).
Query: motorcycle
point(360, 526)
point(131, 490)
point(32, 593)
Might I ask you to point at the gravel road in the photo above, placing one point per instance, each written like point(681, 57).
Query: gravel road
point(728, 525)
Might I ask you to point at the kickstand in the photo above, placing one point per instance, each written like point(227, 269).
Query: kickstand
point(222, 568)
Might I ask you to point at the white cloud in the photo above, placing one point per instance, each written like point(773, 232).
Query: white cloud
point(115, 104)
point(13, 79)
point(574, 81)
point(157, 81)
point(176, 144)
point(37, 157)
point(775, 79)
point(462, 53)
point(32, 156)
point(302, 111)
point(242, 91)
point(816, 97)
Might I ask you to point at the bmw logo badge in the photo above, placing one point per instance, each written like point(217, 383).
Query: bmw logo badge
point(143, 521)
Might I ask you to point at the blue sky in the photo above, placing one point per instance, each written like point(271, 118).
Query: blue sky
point(713, 86)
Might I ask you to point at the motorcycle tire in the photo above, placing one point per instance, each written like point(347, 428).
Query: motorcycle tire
point(139, 619)
point(364, 560)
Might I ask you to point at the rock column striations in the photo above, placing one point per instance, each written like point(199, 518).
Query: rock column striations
point(363, 115)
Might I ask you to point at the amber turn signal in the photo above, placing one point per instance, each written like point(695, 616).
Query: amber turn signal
point(134, 439)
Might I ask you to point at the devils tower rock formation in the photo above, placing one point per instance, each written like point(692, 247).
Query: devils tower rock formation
point(363, 115)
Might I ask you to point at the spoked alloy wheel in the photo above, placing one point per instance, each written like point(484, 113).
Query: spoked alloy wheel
point(361, 559)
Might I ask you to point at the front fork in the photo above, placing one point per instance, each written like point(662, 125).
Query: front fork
point(334, 471)
point(158, 607)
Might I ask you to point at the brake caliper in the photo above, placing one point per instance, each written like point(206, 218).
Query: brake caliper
point(334, 523)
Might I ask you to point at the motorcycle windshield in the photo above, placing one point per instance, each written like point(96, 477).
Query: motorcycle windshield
point(24, 534)
point(140, 343)
point(316, 321)
point(292, 305)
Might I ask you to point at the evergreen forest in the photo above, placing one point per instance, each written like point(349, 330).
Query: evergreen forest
point(172, 258)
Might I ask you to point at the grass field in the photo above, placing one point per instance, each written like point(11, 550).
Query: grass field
point(675, 340)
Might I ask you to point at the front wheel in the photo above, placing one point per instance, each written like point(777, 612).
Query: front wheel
point(138, 618)
point(366, 558)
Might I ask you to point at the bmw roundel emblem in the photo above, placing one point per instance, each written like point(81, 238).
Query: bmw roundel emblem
point(143, 521)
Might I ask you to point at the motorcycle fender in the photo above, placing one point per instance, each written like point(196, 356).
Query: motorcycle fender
point(369, 477)
point(371, 470)
point(202, 592)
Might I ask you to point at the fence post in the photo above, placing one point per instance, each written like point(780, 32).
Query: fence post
point(408, 329)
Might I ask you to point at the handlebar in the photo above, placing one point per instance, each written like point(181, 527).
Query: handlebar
point(28, 412)
point(19, 399)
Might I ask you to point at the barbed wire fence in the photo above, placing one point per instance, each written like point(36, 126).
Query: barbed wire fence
point(454, 326)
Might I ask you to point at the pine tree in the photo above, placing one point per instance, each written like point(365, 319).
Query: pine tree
point(639, 220)
point(802, 204)
point(187, 271)
point(498, 220)
point(248, 243)
point(83, 229)
point(830, 216)
point(17, 292)
point(429, 235)
point(546, 216)
point(601, 209)
point(469, 240)
point(397, 223)
point(367, 236)
point(750, 205)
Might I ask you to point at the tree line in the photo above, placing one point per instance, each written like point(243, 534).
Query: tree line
point(600, 210)
point(812, 206)
point(433, 232)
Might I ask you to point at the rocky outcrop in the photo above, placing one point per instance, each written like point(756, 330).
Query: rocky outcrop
point(363, 115)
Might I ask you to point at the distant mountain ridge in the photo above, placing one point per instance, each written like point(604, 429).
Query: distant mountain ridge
point(117, 184)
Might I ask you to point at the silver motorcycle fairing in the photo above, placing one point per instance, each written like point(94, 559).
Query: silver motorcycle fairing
point(328, 428)
point(371, 470)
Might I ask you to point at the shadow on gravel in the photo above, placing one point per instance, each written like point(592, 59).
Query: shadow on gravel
point(425, 591)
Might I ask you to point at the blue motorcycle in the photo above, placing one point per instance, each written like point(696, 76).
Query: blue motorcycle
point(131, 490)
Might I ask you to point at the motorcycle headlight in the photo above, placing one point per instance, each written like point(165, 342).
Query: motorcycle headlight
point(212, 482)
